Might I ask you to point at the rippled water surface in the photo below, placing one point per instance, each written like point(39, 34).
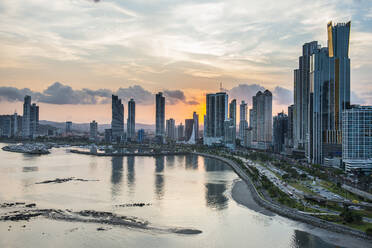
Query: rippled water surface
point(181, 192)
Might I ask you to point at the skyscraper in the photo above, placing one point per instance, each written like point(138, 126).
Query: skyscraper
point(253, 119)
point(339, 88)
point(232, 116)
point(280, 130)
point(141, 136)
point(329, 95)
point(217, 110)
point(264, 116)
point(68, 127)
point(243, 124)
point(30, 120)
point(160, 115)
point(189, 128)
point(26, 119)
point(5, 126)
point(301, 94)
point(117, 121)
point(290, 125)
point(171, 129)
point(357, 139)
point(196, 126)
point(131, 121)
point(34, 120)
point(180, 131)
point(230, 133)
point(93, 130)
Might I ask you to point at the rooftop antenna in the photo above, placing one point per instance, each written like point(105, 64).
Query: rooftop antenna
point(221, 89)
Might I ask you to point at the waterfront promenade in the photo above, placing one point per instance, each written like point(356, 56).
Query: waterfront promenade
point(283, 210)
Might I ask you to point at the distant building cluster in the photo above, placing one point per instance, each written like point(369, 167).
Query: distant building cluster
point(26, 126)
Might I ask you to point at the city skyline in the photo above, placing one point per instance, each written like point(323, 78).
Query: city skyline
point(185, 70)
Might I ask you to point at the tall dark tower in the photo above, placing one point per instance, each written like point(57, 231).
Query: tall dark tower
point(160, 115)
point(131, 121)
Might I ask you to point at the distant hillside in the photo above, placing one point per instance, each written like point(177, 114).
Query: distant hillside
point(84, 127)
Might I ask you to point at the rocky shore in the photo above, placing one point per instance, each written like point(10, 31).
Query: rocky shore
point(20, 211)
point(285, 211)
point(29, 148)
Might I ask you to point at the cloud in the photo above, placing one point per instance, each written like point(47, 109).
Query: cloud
point(192, 102)
point(58, 93)
point(13, 94)
point(174, 96)
point(282, 96)
point(140, 95)
point(244, 92)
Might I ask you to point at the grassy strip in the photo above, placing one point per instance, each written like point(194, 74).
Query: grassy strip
point(338, 190)
point(363, 226)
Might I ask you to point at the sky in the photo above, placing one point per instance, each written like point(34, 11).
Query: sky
point(71, 55)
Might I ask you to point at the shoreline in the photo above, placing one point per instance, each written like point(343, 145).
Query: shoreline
point(285, 211)
point(128, 154)
point(239, 192)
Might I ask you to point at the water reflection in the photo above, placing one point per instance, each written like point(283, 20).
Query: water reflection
point(30, 168)
point(214, 196)
point(93, 164)
point(215, 165)
point(116, 174)
point(30, 157)
point(180, 160)
point(302, 239)
point(159, 177)
point(170, 161)
point(130, 173)
point(191, 162)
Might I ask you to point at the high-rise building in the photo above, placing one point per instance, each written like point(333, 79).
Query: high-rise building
point(117, 121)
point(10, 125)
point(357, 139)
point(5, 126)
point(301, 95)
point(196, 126)
point(34, 120)
point(243, 124)
point(248, 137)
point(280, 130)
point(108, 135)
point(93, 130)
point(263, 116)
point(290, 126)
point(217, 110)
point(230, 133)
point(232, 116)
point(171, 129)
point(68, 127)
point(160, 115)
point(141, 136)
point(253, 119)
point(26, 119)
point(189, 128)
point(131, 121)
point(180, 132)
point(329, 95)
